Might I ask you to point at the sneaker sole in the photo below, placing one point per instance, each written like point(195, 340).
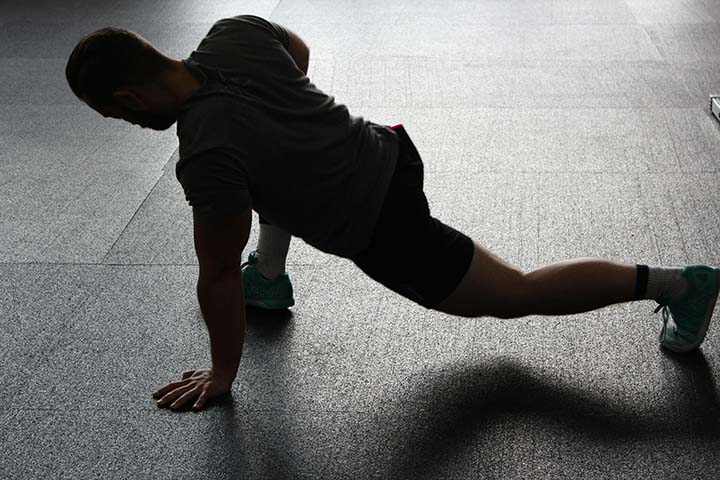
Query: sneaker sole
point(269, 305)
point(706, 323)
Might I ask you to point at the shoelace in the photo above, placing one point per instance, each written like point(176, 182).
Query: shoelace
point(665, 314)
point(242, 265)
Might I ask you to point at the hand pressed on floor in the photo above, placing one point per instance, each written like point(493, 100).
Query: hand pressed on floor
point(201, 384)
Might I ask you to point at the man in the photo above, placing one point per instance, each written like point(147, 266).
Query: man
point(255, 133)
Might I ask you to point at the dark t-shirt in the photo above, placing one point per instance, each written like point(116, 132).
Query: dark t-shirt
point(259, 134)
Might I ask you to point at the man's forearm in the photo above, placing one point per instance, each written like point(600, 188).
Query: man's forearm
point(223, 308)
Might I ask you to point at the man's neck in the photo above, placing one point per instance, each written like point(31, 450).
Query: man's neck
point(182, 81)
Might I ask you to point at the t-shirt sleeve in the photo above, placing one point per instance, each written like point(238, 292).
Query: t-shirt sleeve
point(278, 31)
point(215, 186)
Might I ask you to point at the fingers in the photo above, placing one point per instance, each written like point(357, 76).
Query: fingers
point(186, 397)
point(169, 397)
point(196, 384)
point(170, 386)
point(201, 400)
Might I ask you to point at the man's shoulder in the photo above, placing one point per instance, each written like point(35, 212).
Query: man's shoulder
point(212, 120)
point(251, 23)
point(206, 107)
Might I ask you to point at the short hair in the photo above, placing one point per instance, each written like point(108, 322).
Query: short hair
point(111, 58)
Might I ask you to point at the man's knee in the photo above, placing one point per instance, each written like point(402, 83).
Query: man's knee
point(491, 287)
point(513, 299)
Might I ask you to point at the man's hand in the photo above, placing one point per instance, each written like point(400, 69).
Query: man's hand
point(202, 384)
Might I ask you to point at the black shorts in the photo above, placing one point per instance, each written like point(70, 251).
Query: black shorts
point(411, 252)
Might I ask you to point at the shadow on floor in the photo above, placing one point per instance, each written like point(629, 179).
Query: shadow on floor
point(267, 324)
point(455, 412)
point(486, 408)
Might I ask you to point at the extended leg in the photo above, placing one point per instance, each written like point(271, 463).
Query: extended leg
point(579, 285)
point(493, 287)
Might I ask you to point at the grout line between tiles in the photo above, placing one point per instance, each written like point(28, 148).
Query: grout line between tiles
point(132, 218)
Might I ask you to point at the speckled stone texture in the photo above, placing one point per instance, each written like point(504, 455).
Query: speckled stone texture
point(549, 129)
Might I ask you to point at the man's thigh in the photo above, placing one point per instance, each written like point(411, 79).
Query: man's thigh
point(422, 261)
point(490, 287)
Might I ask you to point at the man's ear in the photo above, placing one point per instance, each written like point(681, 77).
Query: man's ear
point(129, 100)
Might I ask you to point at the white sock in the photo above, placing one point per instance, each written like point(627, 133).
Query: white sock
point(665, 283)
point(272, 250)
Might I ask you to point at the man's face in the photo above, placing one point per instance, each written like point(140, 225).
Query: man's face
point(145, 117)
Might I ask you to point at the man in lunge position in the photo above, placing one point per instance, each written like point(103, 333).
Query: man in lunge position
point(256, 134)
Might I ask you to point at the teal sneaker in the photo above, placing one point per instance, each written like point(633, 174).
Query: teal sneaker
point(261, 292)
point(692, 312)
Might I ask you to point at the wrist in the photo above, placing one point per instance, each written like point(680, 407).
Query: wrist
point(226, 375)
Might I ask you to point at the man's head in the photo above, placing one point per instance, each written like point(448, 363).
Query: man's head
point(121, 75)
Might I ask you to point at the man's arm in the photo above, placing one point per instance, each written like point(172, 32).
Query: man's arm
point(219, 249)
point(299, 51)
point(295, 46)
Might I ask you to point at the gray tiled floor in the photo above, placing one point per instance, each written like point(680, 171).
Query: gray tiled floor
point(549, 129)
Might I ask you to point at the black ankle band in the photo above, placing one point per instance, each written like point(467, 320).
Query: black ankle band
point(642, 279)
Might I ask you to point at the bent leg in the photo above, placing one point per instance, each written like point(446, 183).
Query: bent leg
point(272, 249)
point(495, 288)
